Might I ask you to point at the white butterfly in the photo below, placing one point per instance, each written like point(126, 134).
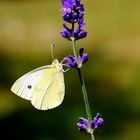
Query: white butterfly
point(44, 86)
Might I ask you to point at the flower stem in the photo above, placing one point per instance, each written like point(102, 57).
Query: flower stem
point(92, 136)
point(83, 87)
point(74, 48)
point(84, 95)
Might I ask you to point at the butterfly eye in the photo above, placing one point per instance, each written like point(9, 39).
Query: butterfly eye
point(29, 86)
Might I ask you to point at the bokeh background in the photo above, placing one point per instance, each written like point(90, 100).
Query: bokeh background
point(112, 74)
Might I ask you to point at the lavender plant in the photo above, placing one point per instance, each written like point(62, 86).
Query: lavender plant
point(32, 86)
point(73, 15)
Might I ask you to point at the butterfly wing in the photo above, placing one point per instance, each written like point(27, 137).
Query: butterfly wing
point(44, 86)
point(23, 86)
point(47, 95)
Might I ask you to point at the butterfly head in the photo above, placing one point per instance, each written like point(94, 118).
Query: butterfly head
point(57, 65)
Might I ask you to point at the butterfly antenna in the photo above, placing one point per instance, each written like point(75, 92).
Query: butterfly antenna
point(52, 46)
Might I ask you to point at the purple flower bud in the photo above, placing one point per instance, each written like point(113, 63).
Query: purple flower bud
point(84, 121)
point(66, 10)
point(97, 121)
point(79, 33)
point(66, 27)
point(75, 16)
point(82, 58)
point(66, 34)
point(83, 124)
point(81, 15)
point(77, 2)
point(67, 17)
point(67, 3)
point(71, 62)
point(81, 7)
point(80, 23)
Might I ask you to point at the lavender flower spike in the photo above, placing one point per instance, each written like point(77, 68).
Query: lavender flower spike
point(73, 13)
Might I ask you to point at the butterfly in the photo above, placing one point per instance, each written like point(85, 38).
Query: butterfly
point(44, 86)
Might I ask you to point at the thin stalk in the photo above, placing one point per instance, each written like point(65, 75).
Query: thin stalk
point(74, 49)
point(83, 87)
point(92, 136)
point(85, 95)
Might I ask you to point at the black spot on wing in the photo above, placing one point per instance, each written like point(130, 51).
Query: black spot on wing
point(29, 86)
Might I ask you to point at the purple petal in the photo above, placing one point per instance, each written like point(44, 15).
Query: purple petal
point(84, 121)
point(82, 127)
point(100, 122)
point(81, 50)
point(65, 34)
point(66, 10)
point(97, 122)
point(81, 23)
point(67, 3)
point(81, 15)
point(82, 7)
point(83, 124)
point(66, 27)
point(81, 35)
point(83, 59)
point(71, 62)
point(77, 2)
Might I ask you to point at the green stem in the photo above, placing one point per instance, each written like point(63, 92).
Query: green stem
point(83, 87)
point(74, 49)
point(92, 136)
point(85, 95)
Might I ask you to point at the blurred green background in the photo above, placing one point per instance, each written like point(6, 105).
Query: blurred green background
point(112, 74)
